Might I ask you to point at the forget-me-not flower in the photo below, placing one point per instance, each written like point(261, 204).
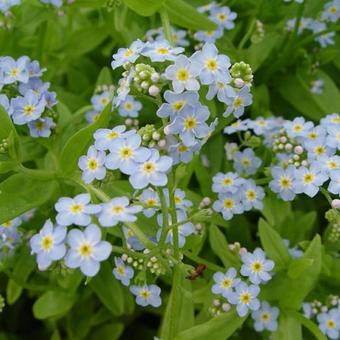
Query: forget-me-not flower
point(265, 318)
point(122, 272)
point(147, 295)
point(92, 165)
point(224, 283)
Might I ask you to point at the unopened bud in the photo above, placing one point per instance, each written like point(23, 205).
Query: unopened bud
point(298, 150)
point(155, 77)
point(239, 83)
point(336, 204)
point(153, 90)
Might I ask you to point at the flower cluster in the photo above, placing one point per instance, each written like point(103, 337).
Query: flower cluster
point(25, 97)
point(6, 5)
point(330, 14)
point(257, 268)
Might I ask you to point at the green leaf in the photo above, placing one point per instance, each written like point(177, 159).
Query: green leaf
point(105, 77)
point(108, 290)
point(219, 246)
point(6, 126)
point(273, 208)
point(20, 193)
point(184, 15)
point(273, 244)
point(53, 304)
point(289, 329)
point(146, 7)
point(220, 327)
point(111, 331)
point(78, 143)
point(179, 313)
point(298, 266)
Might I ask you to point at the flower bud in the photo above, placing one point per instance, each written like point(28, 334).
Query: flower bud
point(155, 77)
point(156, 135)
point(161, 143)
point(239, 83)
point(336, 204)
point(153, 90)
point(298, 150)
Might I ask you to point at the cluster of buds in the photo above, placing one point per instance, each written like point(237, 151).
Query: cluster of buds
point(237, 249)
point(242, 74)
point(134, 262)
point(334, 233)
point(218, 307)
point(155, 266)
point(4, 146)
point(6, 20)
point(318, 307)
point(152, 137)
point(258, 33)
point(146, 79)
point(333, 301)
point(104, 87)
point(132, 123)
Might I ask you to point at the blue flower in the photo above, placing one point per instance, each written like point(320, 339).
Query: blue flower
point(224, 283)
point(50, 99)
point(334, 184)
point(331, 11)
point(147, 295)
point(128, 55)
point(190, 124)
point(48, 244)
point(92, 165)
point(308, 180)
point(245, 298)
point(4, 102)
point(34, 69)
point(41, 127)
point(228, 204)
point(87, 250)
point(100, 101)
point(123, 89)
point(265, 318)
point(294, 252)
point(284, 182)
point(118, 210)
point(330, 120)
point(129, 107)
point(150, 200)
point(75, 210)
point(161, 51)
point(14, 70)
point(209, 36)
point(221, 88)
point(298, 127)
point(126, 154)
point(329, 323)
point(214, 67)
point(224, 17)
point(105, 137)
point(246, 161)
point(318, 148)
point(92, 116)
point(183, 74)
point(237, 103)
point(239, 125)
point(179, 197)
point(122, 272)
point(176, 102)
point(252, 195)
point(333, 138)
point(152, 171)
point(27, 108)
point(182, 153)
point(10, 225)
point(228, 182)
point(256, 266)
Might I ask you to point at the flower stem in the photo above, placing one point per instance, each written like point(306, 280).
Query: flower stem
point(166, 24)
point(173, 214)
point(165, 212)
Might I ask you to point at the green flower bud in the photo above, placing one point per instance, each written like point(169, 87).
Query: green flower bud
point(242, 71)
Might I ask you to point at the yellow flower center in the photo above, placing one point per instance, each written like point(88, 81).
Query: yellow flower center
point(183, 148)
point(238, 102)
point(28, 109)
point(332, 165)
point(7, 224)
point(227, 181)
point(112, 135)
point(308, 178)
point(76, 208)
point(312, 135)
point(251, 195)
point(151, 202)
point(221, 16)
point(211, 64)
point(182, 74)
point(176, 106)
point(257, 266)
point(126, 152)
point(128, 106)
point(190, 123)
point(336, 119)
point(117, 209)
point(39, 125)
point(14, 72)
point(149, 167)
point(245, 162)
point(85, 250)
point(319, 150)
point(333, 9)
point(226, 283)
point(220, 85)
point(104, 100)
point(47, 243)
point(285, 182)
point(297, 128)
point(245, 298)
point(178, 200)
point(228, 203)
point(265, 316)
point(128, 53)
point(163, 50)
point(145, 294)
point(92, 164)
point(121, 270)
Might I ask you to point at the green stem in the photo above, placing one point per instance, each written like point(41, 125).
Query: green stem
point(248, 34)
point(166, 24)
point(327, 195)
point(165, 216)
point(99, 193)
point(173, 214)
point(121, 250)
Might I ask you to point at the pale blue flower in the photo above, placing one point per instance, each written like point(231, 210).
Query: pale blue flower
point(334, 184)
point(333, 138)
point(190, 124)
point(11, 224)
point(237, 103)
point(41, 127)
point(331, 11)
point(122, 272)
point(330, 120)
point(34, 84)
point(318, 148)
point(221, 89)
point(92, 116)
point(209, 36)
point(126, 154)
point(100, 101)
point(129, 107)
point(50, 99)
point(239, 125)
point(224, 283)
point(150, 199)
point(147, 295)
point(265, 318)
point(223, 16)
point(4, 102)
point(251, 195)
point(123, 88)
point(329, 323)
point(176, 102)
point(27, 108)
point(34, 69)
point(182, 153)
point(87, 250)
point(48, 244)
point(118, 210)
point(294, 252)
point(228, 205)
point(105, 137)
point(180, 199)
point(75, 210)
point(160, 51)
point(298, 127)
point(246, 161)
point(128, 55)
point(228, 182)
point(308, 180)
point(284, 182)
point(14, 71)
point(256, 266)
point(183, 74)
point(214, 67)
point(245, 298)
point(92, 165)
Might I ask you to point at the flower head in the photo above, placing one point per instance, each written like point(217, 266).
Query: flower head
point(147, 295)
point(122, 272)
point(224, 283)
point(265, 318)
